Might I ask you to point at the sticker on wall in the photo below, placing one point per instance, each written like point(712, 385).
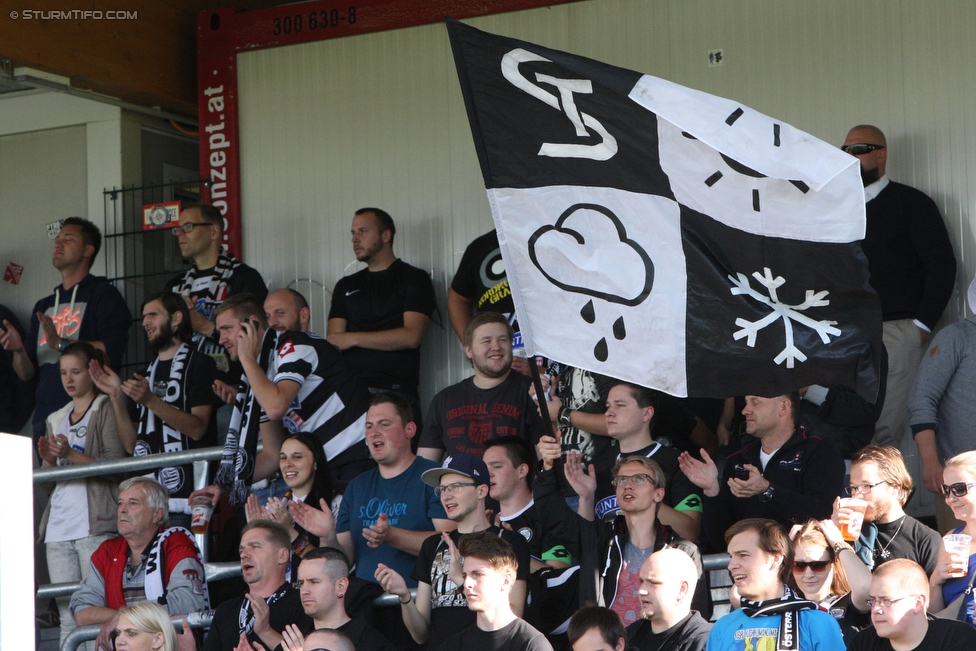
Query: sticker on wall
point(13, 273)
point(160, 215)
point(54, 228)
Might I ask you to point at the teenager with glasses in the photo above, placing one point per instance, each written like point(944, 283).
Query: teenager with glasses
point(441, 608)
point(959, 490)
point(900, 612)
point(880, 478)
point(611, 553)
point(912, 267)
point(826, 570)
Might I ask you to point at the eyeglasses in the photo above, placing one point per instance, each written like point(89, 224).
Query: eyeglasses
point(635, 480)
point(188, 227)
point(453, 488)
point(861, 148)
point(959, 490)
point(885, 602)
point(863, 489)
point(816, 566)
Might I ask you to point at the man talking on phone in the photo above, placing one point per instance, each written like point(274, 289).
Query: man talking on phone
point(292, 380)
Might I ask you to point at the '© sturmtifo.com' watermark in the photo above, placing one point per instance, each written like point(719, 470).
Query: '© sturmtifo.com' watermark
point(73, 14)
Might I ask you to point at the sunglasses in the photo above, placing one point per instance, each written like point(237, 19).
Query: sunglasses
point(958, 490)
point(860, 148)
point(816, 566)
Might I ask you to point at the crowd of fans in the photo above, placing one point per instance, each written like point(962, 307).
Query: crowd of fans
point(495, 522)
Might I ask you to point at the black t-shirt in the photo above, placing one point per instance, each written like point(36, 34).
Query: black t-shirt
point(225, 632)
point(585, 392)
point(913, 541)
point(198, 378)
point(448, 608)
point(462, 416)
point(690, 634)
point(372, 301)
point(244, 279)
point(679, 493)
point(364, 637)
point(481, 278)
point(943, 635)
point(517, 636)
point(541, 545)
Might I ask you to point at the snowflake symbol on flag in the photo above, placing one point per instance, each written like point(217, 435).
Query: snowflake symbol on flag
point(788, 313)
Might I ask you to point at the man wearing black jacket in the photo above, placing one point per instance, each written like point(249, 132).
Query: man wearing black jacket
point(610, 553)
point(788, 474)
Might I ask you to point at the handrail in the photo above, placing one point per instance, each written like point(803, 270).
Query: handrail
point(217, 571)
point(82, 634)
point(127, 464)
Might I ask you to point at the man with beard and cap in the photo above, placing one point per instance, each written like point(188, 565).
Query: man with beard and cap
point(940, 407)
point(175, 398)
point(440, 609)
point(880, 478)
point(912, 268)
point(494, 402)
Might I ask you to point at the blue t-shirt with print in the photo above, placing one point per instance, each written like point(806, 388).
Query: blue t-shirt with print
point(407, 501)
point(818, 631)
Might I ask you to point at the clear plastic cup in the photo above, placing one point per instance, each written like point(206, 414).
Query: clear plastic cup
point(201, 508)
point(850, 526)
point(957, 546)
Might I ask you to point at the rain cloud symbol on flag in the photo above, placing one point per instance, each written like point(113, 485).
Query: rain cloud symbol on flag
point(588, 252)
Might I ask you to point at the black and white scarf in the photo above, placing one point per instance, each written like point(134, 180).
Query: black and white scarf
point(219, 281)
point(153, 430)
point(216, 294)
point(789, 606)
point(154, 584)
point(245, 617)
point(240, 449)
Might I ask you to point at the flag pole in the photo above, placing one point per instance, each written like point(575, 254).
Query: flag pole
point(540, 395)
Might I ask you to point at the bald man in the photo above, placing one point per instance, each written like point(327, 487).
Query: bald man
point(899, 600)
point(667, 584)
point(327, 638)
point(912, 268)
point(287, 309)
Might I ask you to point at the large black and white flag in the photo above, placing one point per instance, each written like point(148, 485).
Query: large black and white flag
point(665, 236)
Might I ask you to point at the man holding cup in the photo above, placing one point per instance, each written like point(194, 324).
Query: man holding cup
point(880, 480)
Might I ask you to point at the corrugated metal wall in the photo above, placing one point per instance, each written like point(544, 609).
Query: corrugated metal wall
point(378, 119)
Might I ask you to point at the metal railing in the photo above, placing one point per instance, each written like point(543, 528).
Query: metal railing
point(212, 571)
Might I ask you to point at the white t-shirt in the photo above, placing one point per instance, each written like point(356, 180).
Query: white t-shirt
point(68, 519)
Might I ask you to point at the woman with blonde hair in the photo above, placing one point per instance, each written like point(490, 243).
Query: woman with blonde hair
point(826, 570)
point(144, 626)
point(951, 581)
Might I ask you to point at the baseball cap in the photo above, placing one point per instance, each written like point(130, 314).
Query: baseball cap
point(461, 464)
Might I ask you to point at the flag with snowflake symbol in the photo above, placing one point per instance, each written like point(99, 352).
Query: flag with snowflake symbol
point(668, 237)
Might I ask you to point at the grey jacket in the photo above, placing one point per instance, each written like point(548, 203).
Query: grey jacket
point(942, 397)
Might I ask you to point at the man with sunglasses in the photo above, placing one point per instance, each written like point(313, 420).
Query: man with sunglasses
point(912, 268)
point(899, 601)
point(441, 609)
point(214, 276)
point(880, 478)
